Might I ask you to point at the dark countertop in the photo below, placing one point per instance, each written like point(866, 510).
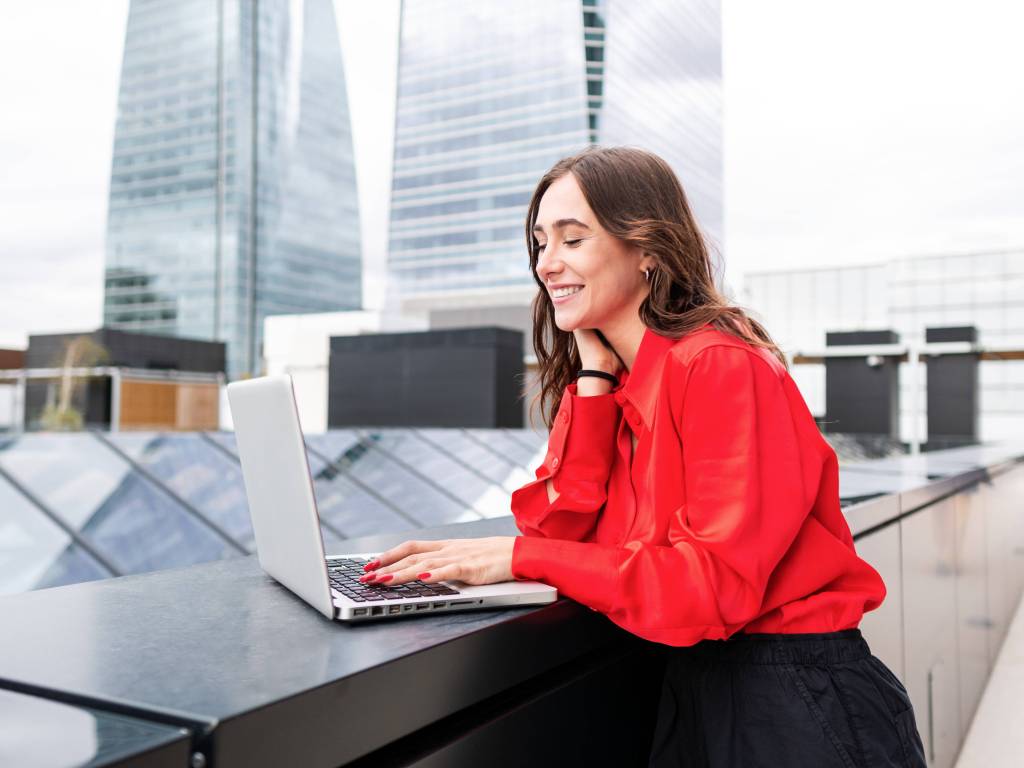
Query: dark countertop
point(222, 649)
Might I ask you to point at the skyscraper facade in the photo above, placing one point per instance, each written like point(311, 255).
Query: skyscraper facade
point(233, 190)
point(491, 94)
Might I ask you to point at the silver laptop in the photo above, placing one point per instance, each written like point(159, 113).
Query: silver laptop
point(285, 520)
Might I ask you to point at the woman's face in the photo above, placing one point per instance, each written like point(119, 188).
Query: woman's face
point(604, 273)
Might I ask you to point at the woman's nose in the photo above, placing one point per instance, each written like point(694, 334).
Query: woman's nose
point(545, 264)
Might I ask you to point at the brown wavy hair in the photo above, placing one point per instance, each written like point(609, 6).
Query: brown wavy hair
point(637, 198)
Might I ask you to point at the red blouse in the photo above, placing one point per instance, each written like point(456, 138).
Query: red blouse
point(725, 519)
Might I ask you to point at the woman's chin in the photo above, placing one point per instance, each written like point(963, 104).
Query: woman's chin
point(567, 324)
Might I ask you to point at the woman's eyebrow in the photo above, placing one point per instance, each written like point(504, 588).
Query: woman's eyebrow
point(561, 223)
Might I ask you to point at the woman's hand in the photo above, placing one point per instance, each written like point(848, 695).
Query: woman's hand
point(485, 560)
point(594, 353)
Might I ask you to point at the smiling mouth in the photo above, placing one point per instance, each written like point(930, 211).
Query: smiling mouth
point(562, 293)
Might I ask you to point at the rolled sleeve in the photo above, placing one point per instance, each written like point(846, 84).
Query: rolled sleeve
point(581, 448)
point(586, 572)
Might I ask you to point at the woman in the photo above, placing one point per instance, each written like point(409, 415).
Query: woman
point(687, 492)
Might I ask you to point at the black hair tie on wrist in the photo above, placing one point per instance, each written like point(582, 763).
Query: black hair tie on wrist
point(600, 374)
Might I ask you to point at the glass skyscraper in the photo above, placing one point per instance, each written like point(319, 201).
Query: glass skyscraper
point(233, 190)
point(491, 94)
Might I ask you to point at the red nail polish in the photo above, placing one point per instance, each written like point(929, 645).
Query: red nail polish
point(371, 566)
point(423, 576)
point(386, 577)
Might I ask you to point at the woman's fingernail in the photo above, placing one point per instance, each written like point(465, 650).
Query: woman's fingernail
point(368, 577)
point(371, 566)
point(423, 576)
point(386, 577)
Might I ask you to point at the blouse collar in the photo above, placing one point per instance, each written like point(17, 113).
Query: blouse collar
point(637, 392)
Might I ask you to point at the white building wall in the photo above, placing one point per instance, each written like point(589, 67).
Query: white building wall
point(907, 295)
point(9, 407)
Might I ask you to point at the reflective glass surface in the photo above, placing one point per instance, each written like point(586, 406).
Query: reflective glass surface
point(518, 448)
point(662, 75)
point(480, 118)
point(125, 517)
point(141, 501)
point(198, 472)
point(487, 460)
point(461, 479)
point(225, 440)
point(330, 531)
point(232, 190)
point(39, 733)
point(346, 505)
point(416, 500)
point(34, 552)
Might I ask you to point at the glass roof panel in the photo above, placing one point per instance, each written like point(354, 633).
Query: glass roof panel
point(534, 438)
point(350, 508)
point(131, 522)
point(34, 551)
point(473, 489)
point(354, 511)
point(487, 460)
point(334, 442)
point(388, 480)
point(226, 440)
point(332, 445)
point(74, 566)
point(197, 472)
point(508, 442)
point(419, 499)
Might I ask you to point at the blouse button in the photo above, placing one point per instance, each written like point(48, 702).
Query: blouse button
point(564, 417)
point(554, 462)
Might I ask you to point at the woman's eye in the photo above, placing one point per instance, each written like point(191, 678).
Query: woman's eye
point(570, 243)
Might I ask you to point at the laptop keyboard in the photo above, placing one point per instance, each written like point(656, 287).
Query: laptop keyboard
point(344, 573)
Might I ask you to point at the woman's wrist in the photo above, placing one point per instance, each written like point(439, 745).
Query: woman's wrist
point(589, 386)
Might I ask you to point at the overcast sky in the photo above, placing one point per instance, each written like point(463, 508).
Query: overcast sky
point(853, 133)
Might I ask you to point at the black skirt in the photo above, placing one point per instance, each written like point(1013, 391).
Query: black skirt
point(777, 700)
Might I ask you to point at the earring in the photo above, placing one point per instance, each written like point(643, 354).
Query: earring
point(647, 274)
